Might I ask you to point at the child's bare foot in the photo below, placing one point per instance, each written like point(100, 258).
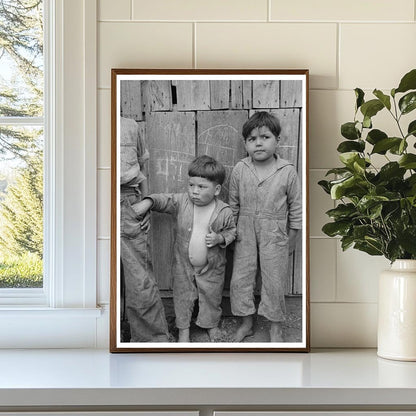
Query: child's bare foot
point(245, 329)
point(276, 332)
point(184, 335)
point(214, 334)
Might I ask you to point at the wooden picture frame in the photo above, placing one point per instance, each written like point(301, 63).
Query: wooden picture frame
point(162, 120)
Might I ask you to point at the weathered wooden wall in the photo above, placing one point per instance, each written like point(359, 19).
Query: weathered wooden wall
point(184, 119)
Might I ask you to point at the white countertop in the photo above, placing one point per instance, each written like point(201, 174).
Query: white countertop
point(96, 377)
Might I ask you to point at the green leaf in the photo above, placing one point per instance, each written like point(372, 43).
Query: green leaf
point(348, 158)
point(333, 229)
point(398, 149)
point(385, 99)
point(342, 211)
point(411, 182)
point(408, 103)
point(374, 136)
point(393, 250)
point(367, 122)
point(361, 231)
point(391, 170)
point(349, 131)
point(369, 247)
point(411, 130)
point(408, 161)
point(383, 145)
point(346, 242)
point(375, 211)
point(338, 171)
point(359, 166)
point(369, 201)
point(338, 189)
point(325, 186)
point(359, 95)
point(371, 108)
point(349, 146)
point(407, 240)
point(352, 186)
point(408, 82)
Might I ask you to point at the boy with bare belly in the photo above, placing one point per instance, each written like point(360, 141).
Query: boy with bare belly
point(205, 226)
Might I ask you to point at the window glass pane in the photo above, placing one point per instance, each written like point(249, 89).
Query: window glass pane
point(21, 58)
point(21, 211)
point(21, 143)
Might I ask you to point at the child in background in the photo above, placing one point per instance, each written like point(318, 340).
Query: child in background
point(205, 226)
point(265, 197)
point(144, 307)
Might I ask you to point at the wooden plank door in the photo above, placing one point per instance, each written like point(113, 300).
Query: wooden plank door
point(188, 118)
point(172, 147)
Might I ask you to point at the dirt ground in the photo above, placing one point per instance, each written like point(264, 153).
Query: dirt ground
point(292, 329)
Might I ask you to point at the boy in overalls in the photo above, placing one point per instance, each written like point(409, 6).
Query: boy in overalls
point(265, 197)
point(205, 226)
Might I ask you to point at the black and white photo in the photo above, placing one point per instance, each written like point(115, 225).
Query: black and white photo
point(209, 243)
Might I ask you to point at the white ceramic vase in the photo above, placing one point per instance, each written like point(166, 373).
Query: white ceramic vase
point(397, 312)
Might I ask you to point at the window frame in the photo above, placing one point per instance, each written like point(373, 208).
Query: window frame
point(67, 301)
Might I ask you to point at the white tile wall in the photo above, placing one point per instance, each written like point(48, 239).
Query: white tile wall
point(337, 325)
point(103, 270)
point(200, 10)
point(386, 53)
point(357, 10)
point(345, 44)
point(357, 275)
point(142, 45)
point(104, 202)
point(114, 10)
point(270, 45)
point(323, 269)
point(328, 110)
point(104, 128)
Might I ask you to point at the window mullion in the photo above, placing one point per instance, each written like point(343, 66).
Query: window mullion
point(22, 121)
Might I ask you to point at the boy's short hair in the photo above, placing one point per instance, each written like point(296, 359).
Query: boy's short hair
point(207, 167)
point(262, 119)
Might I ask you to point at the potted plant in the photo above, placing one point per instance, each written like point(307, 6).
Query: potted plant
point(376, 209)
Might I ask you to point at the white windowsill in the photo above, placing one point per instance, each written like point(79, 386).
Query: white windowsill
point(36, 312)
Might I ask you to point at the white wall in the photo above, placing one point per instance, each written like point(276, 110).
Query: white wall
point(345, 44)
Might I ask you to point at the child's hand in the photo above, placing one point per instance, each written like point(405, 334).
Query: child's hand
point(142, 211)
point(145, 222)
point(142, 207)
point(139, 209)
point(212, 239)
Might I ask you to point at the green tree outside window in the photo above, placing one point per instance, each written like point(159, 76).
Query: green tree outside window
point(21, 143)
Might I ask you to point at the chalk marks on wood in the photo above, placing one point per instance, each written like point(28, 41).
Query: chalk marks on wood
point(185, 118)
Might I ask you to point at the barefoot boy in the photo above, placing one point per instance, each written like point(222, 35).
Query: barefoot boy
point(205, 226)
point(265, 200)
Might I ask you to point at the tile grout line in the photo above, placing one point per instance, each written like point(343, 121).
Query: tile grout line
point(194, 61)
point(338, 63)
point(269, 11)
point(226, 21)
point(344, 302)
point(336, 271)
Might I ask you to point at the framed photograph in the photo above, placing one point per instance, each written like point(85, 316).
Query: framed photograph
point(209, 211)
